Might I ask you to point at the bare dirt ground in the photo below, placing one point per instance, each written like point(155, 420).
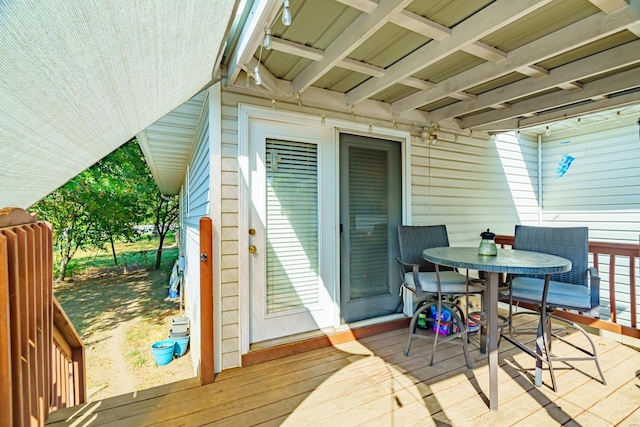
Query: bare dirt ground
point(119, 316)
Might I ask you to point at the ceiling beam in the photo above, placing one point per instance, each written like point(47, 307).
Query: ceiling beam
point(599, 63)
point(418, 83)
point(269, 81)
point(534, 71)
point(366, 6)
point(579, 110)
point(355, 35)
point(332, 101)
point(616, 83)
point(610, 6)
point(263, 13)
point(486, 52)
point(314, 54)
point(565, 113)
point(482, 23)
point(286, 46)
point(578, 34)
point(421, 25)
point(297, 49)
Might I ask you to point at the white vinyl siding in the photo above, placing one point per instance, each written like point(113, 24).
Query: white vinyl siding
point(600, 190)
point(471, 184)
point(197, 192)
point(229, 235)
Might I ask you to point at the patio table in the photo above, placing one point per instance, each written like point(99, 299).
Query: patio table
point(510, 261)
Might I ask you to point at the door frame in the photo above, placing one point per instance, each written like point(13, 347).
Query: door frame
point(247, 112)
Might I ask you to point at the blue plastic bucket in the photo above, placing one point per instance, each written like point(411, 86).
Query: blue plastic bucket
point(181, 344)
point(163, 351)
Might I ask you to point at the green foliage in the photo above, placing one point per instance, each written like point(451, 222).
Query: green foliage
point(101, 205)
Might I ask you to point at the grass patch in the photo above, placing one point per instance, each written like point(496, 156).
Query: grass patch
point(137, 255)
point(137, 358)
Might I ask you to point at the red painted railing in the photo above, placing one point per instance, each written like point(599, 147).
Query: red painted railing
point(615, 251)
point(41, 354)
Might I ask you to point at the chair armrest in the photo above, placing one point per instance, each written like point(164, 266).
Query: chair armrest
point(405, 267)
point(594, 286)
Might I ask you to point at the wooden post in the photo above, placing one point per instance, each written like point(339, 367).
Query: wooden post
point(206, 301)
point(6, 401)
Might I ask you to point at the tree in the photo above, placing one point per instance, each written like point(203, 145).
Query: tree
point(166, 211)
point(99, 206)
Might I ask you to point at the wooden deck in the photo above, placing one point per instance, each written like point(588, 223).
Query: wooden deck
point(370, 382)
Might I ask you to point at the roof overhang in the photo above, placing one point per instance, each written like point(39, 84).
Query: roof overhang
point(81, 78)
point(167, 144)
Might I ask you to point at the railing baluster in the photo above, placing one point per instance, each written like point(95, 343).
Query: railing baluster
point(632, 290)
point(612, 288)
point(614, 250)
point(35, 373)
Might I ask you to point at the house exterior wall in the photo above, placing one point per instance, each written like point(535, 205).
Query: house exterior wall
point(468, 182)
point(195, 198)
point(460, 182)
point(472, 183)
point(601, 190)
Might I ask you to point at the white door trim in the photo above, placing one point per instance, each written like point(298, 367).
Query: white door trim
point(247, 112)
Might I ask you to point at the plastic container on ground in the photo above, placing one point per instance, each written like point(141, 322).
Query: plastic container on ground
point(163, 351)
point(179, 324)
point(182, 342)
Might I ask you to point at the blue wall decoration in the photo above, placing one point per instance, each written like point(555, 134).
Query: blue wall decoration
point(563, 165)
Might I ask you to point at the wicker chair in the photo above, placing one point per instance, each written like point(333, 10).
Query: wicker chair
point(426, 279)
point(577, 289)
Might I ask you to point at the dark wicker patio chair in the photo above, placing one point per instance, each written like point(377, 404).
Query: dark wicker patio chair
point(426, 279)
point(577, 289)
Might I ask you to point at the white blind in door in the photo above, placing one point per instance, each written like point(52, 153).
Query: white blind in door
point(292, 225)
point(368, 222)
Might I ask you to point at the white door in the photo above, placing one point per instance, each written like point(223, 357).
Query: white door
point(292, 229)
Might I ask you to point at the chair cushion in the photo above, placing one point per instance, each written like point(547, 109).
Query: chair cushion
point(562, 295)
point(451, 282)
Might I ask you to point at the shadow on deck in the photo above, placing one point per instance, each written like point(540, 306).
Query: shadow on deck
point(370, 382)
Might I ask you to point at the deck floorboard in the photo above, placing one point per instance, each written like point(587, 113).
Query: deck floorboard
point(369, 382)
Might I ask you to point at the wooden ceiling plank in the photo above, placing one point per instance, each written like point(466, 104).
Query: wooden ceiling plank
point(420, 25)
point(602, 105)
point(361, 67)
point(486, 52)
point(269, 81)
point(500, 106)
point(263, 14)
point(333, 101)
point(534, 71)
point(486, 21)
point(366, 6)
point(610, 6)
point(357, 33)
point(615, 83)
point(578, 34)
point(418, 83)
point(297, 49)
point(570, 86)
point(464, 96)
point(617, 57)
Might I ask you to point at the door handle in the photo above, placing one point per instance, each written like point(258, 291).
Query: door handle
point(253, 249)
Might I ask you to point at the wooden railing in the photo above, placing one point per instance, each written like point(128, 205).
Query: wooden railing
point(37, 341)
point(614, 251)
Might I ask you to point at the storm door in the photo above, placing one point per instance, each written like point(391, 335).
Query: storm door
point(370, 211)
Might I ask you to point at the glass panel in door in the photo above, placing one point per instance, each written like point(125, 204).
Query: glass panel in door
point(370, 211)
